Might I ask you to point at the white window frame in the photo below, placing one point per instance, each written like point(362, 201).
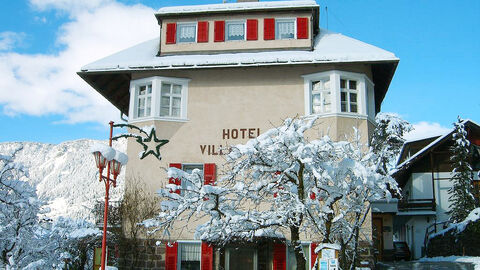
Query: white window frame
point(294, 20)
point(180, 24)
point(227, 23)
point(322, 94)
point(179, 251)
point(144, 97)
point(156, 82)
point(335, 75)
point(348, 91)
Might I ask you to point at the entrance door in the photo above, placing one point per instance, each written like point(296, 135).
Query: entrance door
point(377, 228)
point(97, 258)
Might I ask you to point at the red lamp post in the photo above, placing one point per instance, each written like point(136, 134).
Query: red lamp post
point(113, 160)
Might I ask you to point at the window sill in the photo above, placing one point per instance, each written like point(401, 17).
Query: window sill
point(339, 114)
point(157, 118)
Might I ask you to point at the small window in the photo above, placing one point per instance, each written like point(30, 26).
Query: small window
point(190, 254)
point(235, 30)
point(188, 168)
point(144, 100)
point(321, 96)
point(349, 95)
point(186, 32)
point(292, 260)
point(171, 100)
point(285, 29)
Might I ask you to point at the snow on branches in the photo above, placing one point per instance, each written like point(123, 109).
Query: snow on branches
point(280, 185)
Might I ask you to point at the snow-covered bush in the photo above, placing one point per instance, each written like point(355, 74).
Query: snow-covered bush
point(280, 184)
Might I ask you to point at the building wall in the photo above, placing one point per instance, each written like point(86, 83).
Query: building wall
point(220, 100)
point(225, 46)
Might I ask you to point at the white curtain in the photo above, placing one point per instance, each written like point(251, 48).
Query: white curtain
point(285, 29)
point(190, 251)
point(187, 32)
point(236, 30)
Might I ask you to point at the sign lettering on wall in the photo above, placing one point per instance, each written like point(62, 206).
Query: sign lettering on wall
point(229, 134)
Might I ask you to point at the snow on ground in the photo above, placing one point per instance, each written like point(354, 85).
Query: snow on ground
point(65, 175)
point(474, 260)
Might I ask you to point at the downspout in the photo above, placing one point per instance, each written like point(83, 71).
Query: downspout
point(433, 182)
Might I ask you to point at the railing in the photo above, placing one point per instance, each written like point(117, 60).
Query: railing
point(416, 205)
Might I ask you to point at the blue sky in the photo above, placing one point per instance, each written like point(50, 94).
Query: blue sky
point(43, 43)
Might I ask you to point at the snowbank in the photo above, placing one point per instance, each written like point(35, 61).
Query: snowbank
point(474, 260)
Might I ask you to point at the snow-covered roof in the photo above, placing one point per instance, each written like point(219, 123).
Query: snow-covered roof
point(329, 47)
point(231, 7)
point(420, 153)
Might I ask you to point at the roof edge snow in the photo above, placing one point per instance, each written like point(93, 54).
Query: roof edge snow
point(232, 7)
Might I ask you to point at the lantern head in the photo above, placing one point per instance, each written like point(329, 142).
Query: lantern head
point(115, 166)
point(100, 161)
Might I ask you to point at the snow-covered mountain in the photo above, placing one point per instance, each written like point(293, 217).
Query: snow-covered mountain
point(65, 175)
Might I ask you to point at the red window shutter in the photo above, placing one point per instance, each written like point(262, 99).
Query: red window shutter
point(269, 29)
point(171, 33)
point(252, 29)
point(219, 31)
point(171, 252)
point(313, 195)
point(313, 255)
point(279, 257)
point(202, 35)
point(302, 28)
point(175, 181)
point(207, 257)
point(209, 173)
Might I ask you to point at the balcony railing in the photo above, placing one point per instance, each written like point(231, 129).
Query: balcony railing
point(416, 205)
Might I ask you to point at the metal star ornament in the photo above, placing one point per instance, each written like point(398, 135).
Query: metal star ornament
point(145, 142)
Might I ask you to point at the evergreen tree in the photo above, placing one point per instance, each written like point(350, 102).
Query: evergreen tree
point(387, 140)
point(461, 197)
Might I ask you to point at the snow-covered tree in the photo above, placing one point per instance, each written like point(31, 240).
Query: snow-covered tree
point(387, 139)
point(281, 185)
point(19, 207)
point(461, 197)
point(29, 240)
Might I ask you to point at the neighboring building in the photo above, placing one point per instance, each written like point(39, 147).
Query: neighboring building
point(221, 74)
point(424, 174)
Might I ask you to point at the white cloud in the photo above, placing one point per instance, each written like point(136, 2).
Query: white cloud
point(426, 129)
point(8, 40)
point(44, 84)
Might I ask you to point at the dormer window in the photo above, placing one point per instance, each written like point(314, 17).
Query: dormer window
point(186, 32)
point(235, 30)
point(285, 28)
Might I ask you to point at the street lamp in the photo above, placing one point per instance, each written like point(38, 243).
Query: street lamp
point(106, 156)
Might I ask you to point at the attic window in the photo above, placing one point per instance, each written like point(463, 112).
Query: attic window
point(186, 32)
point(285, 28)
point(235, 30)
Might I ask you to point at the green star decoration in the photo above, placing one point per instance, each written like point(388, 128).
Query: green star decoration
point(143, 140)
point(158, 143)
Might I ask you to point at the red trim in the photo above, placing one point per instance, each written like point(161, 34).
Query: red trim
point(171, 33)
point(202, 33)
point(313, 196)
point(171, 252)
point(313, 255)
point(252, 29)
point(269, 29)
point(175, 181)
point(207, 257)
point(219, 31)
point(209, 173)
point(279, 257)
point(302, 28)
